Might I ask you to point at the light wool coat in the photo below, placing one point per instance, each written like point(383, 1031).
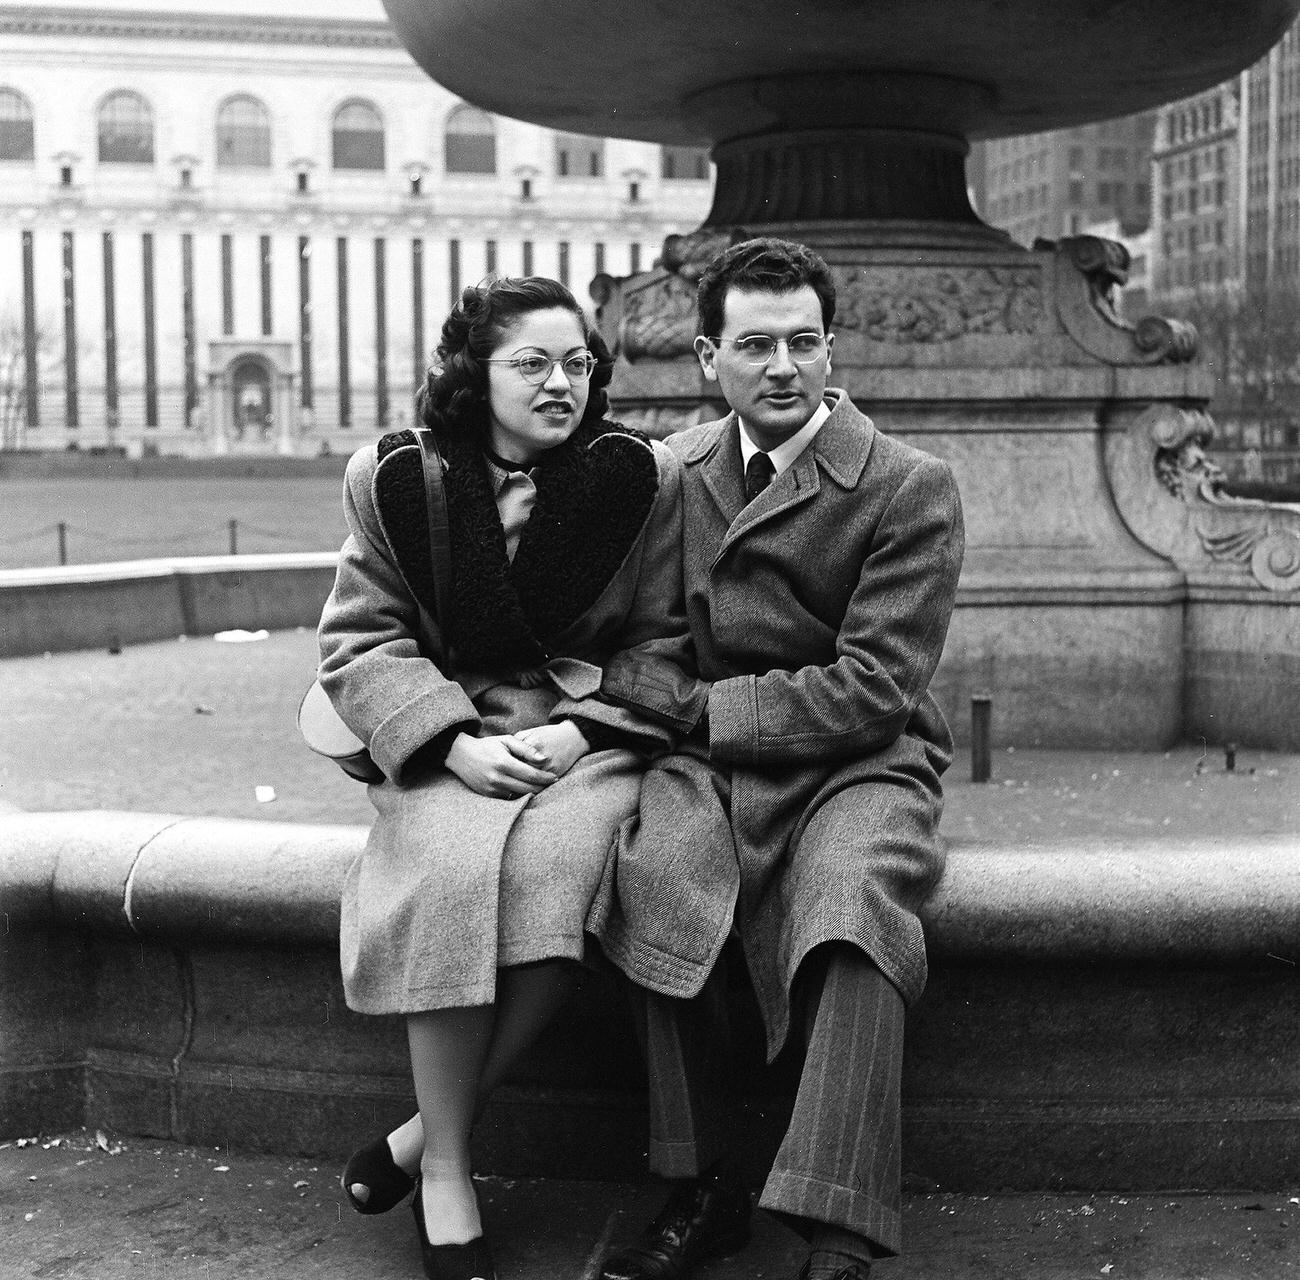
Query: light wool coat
point(809, 814)
point(452, 884)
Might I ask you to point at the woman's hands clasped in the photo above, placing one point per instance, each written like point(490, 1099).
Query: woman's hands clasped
point(509, 765)
point(562, 744)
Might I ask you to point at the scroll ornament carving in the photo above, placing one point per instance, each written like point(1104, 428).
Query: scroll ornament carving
point(1089, 269)
point(1261, 536)
point(934, 305)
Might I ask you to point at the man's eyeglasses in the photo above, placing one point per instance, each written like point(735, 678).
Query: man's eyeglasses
point(536, 369)
point(759, 348)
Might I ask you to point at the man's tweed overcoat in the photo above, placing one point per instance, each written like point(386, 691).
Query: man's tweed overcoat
point(819, 613)
point(452, 884)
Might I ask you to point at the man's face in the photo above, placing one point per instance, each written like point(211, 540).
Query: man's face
point(777, 398)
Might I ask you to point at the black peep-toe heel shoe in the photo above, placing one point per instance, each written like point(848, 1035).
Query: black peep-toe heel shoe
point(472, 1261)
point(374, 1167)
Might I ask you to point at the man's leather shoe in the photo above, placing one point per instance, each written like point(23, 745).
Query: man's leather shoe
point(706, 1217)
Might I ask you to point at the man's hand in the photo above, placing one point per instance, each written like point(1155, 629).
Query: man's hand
point(562, 745)
point(503, 766)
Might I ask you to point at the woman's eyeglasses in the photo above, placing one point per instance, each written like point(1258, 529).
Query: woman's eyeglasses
point(536, 369)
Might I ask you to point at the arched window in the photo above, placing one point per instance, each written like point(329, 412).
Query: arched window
point(17, 133)
point(358, 137)
point(471, 141)
point(125, 130)
point(243, 134)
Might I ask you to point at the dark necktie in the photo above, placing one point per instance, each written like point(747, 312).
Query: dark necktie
point(758, 475)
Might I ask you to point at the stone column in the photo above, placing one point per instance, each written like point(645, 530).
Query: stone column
point(218, 396)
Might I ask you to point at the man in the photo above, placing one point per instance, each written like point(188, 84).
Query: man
point(821, 563)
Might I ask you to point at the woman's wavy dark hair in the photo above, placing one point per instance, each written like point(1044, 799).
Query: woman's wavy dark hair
point(454, 395)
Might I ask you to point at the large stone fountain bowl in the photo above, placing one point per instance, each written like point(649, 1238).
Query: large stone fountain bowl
point(682, 73)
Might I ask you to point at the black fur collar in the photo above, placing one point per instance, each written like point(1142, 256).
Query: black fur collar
point(594, 494)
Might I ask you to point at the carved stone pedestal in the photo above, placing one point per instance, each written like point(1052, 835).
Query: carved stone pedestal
point(1100, 590)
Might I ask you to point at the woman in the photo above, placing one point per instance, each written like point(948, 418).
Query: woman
point(507, 773)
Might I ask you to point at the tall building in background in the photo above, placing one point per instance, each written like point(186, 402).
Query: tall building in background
point(1227, 176)
point(1226, 253)
point(1197, 207)
point(224, 233)
point(1269, 142)
point(1061, 183)
point(1205, 193)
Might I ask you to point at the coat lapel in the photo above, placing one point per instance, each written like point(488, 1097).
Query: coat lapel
point(843, 445)
point(792, 488)
point(719, 464)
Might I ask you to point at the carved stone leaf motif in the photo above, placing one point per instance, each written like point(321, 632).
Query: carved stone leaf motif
point(1273, 555)
point(885, 304)
point(934, 305)
point(658, 320)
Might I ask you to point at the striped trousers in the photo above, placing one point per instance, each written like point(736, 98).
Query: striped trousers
point(839, 1161)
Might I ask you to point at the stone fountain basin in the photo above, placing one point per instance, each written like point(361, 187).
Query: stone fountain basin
point(678, 74)
point(1115, 1015)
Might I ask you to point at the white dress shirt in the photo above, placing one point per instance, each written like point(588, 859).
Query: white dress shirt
point(783, 455)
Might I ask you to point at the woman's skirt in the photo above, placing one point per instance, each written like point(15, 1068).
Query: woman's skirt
point(453, 885)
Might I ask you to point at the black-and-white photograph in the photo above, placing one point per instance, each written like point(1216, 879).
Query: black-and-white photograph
point(650, 642)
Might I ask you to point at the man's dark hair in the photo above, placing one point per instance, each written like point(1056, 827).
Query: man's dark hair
point(765, 265)
point(454, 395)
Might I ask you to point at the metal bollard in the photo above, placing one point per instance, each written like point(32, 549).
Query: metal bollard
point(981, 755)
point(234, 537)
point(63, 542)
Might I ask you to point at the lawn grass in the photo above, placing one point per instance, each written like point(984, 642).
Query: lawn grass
point(133, 518)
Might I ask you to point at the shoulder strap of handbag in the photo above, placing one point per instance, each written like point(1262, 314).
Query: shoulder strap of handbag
point(439, 532)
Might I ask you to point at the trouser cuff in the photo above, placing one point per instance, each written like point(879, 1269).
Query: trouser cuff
point(803, 1201)
point(686, 1158)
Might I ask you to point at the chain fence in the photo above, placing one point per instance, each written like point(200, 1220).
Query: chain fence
point(209, 539)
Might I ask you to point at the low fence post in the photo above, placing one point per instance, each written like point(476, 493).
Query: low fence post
point(981, 756)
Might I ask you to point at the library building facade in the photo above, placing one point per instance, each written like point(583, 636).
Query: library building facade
point(220, 235)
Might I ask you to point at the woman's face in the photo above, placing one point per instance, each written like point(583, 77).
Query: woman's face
point(525, 419)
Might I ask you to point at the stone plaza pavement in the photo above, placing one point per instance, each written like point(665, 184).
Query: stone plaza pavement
point(80, 1209)
point(196, 727)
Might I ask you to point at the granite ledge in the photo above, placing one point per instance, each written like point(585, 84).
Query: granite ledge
point(228, 881)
